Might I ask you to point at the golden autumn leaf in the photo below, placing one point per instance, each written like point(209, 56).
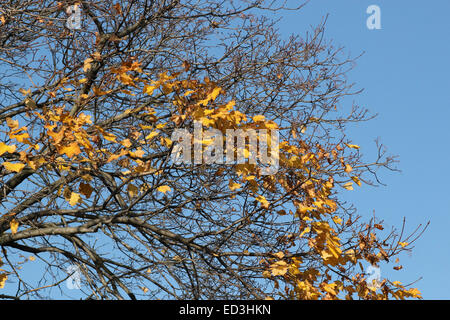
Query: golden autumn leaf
point(14, 224)
point(97, 56)
point(353, 146)
point(6, 148)
point(16, 167)
point(415, 293)
point(70, 150)
point(348, 168)
point(109, 136)
point(233, 185)
point(151, 135)
point(148, 89)
point(337, 220)
point(12, 124)
point(212, 96)
point(348, 186)
point(403, 244)
point(357, 181)
point(126, 143)
point(3, 278)
point(74, 198)
point(258, 118)
point(280, 255)
point(263, 201)
point(24, 92)
point(87, 64)
point(166, 142)
point(279, 268)
point(99, 92)
point(125, 79)
point(163, 189)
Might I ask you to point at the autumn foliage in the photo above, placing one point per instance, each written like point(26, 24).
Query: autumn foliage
point(87, 153)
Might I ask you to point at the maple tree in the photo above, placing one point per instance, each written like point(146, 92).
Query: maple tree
point(87, 177)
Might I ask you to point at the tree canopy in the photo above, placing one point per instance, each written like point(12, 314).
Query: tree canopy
point(89, 179)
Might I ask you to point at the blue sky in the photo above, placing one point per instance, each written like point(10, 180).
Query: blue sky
point(405, 76)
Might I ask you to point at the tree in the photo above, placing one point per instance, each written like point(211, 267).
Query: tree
point(89, 178)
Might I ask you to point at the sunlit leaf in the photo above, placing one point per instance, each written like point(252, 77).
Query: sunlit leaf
point(16, 167)
point(163, 189)
point(14, 224)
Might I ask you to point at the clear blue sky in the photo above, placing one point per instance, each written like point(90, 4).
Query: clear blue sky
point(405, 74)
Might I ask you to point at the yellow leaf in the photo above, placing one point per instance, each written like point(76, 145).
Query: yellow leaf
point(6, 148)
point(3, 278)
point(233, 185)
point(164, 189)
point(87, 64)
point(151, 135)
point(279, 268)
point(126, 143)
point(353, 146)
point(212, 96)
point(166, 142)
point(263, 201)
point(20, 137)
point(348, 186)
point(12, 124)
point(125, 79)
point(415, 293)
point(357, 181)
point(31, 258)
point(24, 92)
point(139, 153)
point(307, 229)
point(258, 118)
point(14, 224)
point(99, 92)
point(16, 167)
point(109, 136)
point(70, 150)
point(348, 168)
point(279, 255)
point(74, 199)
point(149, 89)
point(337, 220)
point(403, 244)
point(97, 56)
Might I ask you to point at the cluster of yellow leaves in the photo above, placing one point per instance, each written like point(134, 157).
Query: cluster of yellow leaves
point(80, 144)
point(3, 276)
